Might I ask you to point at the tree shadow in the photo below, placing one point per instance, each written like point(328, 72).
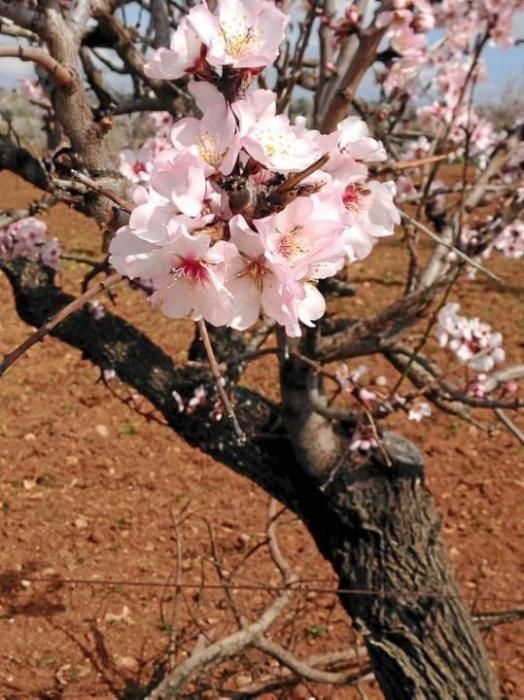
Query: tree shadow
point(123, 684)
point(17, 598)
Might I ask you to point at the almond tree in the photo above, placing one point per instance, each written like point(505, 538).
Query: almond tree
point(235, 215)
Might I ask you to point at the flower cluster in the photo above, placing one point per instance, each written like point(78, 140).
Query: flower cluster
point(245, 211)
point(27, 238)
point(243, 34)
point(472, 341)
point(136, 166)
point(510, 241)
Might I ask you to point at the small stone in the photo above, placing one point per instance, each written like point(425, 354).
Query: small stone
point(70, 673)
point(29, 484)
point(127, 663)
point(30, 437)
point(72, 460)
point(94, 537)
point(81, 522)
point(102, 430)
point(125, 617)
point(243, 679)
point(454, 553)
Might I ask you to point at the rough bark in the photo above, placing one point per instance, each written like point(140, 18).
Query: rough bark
point(376, 524)
point(379, 527)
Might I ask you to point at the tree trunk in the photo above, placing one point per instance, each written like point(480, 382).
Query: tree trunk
point(376, 524)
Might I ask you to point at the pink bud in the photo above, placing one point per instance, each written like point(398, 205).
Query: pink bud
point(352, 14)
point(365, 395)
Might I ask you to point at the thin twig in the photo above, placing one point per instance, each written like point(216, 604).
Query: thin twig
point(62, 75)
point(104, 191)
point(215, 371)
point(510, 425)
point(44, 330)
point(450, 246)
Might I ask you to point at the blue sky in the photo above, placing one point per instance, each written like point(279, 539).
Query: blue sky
point(505, 70)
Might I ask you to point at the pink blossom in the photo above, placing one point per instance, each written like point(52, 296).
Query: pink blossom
point(50, 253)
point(199, 398)
point(182, 180)
point(213, 138)
point(32, 91)
point(407, 43)
point(178, 400)
point(354, 140)
point(300, 238)
point(194, 285)
point(402, 73)
point(398, 19)
point(510, 242)
point(406, 190)
point(381, 380)
point(183, 55)
point(363, 439)
point(96, 309)
point(472, 341)
point(27, 238)
point(419, 412)
point(278, 145)
point(370, 214)
point(366, 396)
point(244, 34)
point(162, 123)
point(275, 270)
point(136, 166)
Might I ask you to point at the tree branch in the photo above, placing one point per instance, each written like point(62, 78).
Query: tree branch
point(23, 16)
point(372, 335)
point(62, 75)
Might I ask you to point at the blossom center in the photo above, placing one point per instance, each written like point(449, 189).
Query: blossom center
point(209, 149)
point(192, 269)
point(139, 167)
point(288, 245)
point(238, 38)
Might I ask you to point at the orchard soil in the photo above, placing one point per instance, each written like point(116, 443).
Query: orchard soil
point(103, 509)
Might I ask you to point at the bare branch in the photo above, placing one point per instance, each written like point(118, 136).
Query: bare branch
point(8, 28)
point(79, 14)
point(62, 75)
point(8, 217)
point(215, 371)
point(44, 330)
point(218, 651)
point(486, 621)
point(23, 16)
point(371, 335)
point(160, 20)
point(501, 376)
point(305, 670)
point(444, 242)
point(364, 57)
point(23, 163)
point(104, 191)
point(510, 425)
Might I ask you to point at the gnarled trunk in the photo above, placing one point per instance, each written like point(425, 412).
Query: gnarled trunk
point(377, 523)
